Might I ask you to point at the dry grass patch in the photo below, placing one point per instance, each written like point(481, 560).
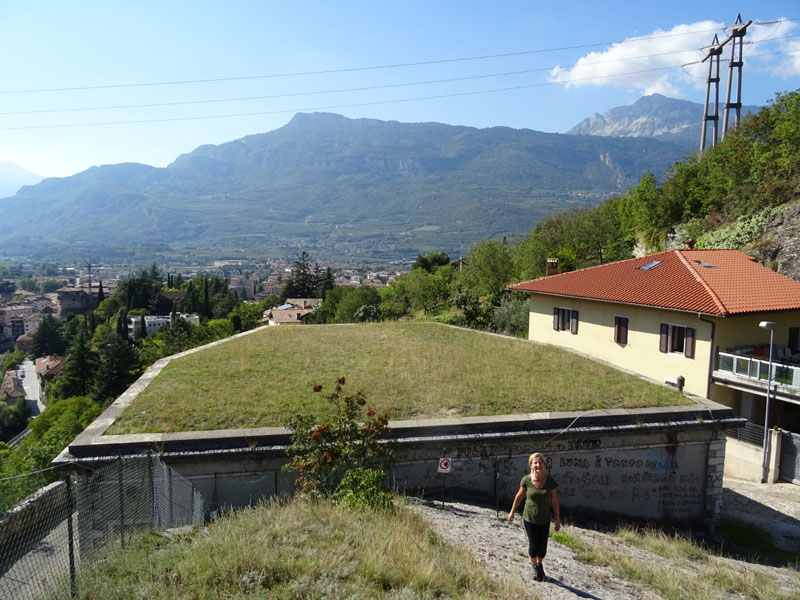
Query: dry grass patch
point(411, 370)
point(301, 550)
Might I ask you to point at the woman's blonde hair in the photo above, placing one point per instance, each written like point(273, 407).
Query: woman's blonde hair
point(534, 456)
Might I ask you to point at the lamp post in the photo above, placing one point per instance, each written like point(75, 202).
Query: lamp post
point(771, 326)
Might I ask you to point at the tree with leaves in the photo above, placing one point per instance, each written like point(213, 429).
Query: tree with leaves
point(77, 376)
point(48, 337)
point(324, 450)
point(431, 261)
point(303, 282)
point(118, 366)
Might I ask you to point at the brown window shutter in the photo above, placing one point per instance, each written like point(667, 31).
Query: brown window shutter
point(688, 349)
point(573, 322)
point(555, 318)
point(621, 330)
point(663, 342)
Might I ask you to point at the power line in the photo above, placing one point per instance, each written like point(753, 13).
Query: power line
point(375, 87)
point(367, 68)
point(338, 106)
point(343, 90)
point(373, 103)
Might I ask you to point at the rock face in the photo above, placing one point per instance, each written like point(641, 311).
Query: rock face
point(783, 242)
point(649, 116)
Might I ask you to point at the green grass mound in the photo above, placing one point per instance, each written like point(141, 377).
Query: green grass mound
point(412, 370)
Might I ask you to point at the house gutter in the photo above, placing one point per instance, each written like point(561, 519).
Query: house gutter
point(710, 354)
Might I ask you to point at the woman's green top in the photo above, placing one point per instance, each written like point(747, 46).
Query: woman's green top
point(537, 500)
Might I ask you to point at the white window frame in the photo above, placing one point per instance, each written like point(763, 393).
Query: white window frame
point(671, 339)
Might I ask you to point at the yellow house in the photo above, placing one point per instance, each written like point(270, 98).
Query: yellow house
point(697, 319)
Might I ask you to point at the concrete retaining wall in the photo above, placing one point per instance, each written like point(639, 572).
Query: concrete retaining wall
point(745, 461)
point(661, 464)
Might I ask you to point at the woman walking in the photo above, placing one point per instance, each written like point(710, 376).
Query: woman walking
point(541, 501)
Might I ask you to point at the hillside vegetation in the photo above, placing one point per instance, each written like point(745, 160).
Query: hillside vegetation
point(723, 198)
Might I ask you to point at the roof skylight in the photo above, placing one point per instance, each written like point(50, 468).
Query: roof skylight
point(705, 265)
point(651, 265)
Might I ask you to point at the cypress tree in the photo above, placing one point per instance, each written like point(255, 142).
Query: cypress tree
point(142, 327)
point(78, 374)
point(206, 302)
point(118, 367)
point(48, 337)
point(122, 324)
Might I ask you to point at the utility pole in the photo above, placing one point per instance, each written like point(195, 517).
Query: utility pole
point(738, 31)
point(712, 57)
point(89, 268)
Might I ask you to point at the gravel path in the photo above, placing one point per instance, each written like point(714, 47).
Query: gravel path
point(501, 547)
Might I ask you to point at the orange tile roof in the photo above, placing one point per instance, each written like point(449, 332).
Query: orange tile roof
point(714, 282)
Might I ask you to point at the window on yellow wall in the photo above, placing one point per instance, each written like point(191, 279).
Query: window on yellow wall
point(621, 330)
point(677, 339)
point(565, 319)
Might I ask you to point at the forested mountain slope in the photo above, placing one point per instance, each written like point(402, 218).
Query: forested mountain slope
point(743, 193)
point(332, 186)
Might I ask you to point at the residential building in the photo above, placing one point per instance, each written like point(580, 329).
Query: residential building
point(244, 287)
point(47, 368)
point(153, 323)
point(689, 318)
point(291, 313)
point(11, 389)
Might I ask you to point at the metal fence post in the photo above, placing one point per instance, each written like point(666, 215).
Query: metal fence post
point(71, 536)
point(155, 517)
point(169, 497)
point(121, 505)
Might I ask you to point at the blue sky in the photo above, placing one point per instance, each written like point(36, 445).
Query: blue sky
point(253, 65)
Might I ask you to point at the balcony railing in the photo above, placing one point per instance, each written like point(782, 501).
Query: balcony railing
point(757, 368)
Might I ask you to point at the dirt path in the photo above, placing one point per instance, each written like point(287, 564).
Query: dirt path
point(501, 546)
point(774, 508)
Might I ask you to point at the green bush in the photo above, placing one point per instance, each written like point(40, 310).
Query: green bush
point(360, 489)
point(340, 454)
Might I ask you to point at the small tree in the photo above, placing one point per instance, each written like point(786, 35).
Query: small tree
point(337, 455)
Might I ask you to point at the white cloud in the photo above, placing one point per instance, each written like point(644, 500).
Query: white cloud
point(653, 63)
point(786, 62)
point(790, 66)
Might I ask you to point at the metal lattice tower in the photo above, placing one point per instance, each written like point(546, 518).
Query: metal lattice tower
point(712, 57)
point(738, 31)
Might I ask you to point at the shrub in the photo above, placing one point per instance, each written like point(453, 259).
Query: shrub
point(360, 489)
point(340, 455)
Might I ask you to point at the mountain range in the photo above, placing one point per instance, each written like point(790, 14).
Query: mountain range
point(13, 177)
point(653, 116)
point(338, 188)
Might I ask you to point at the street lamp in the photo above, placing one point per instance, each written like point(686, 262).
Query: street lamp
point(771, 326)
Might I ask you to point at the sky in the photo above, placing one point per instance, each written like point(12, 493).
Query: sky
point(89, 83)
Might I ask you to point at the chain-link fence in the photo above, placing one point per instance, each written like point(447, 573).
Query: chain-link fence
point(45, 539)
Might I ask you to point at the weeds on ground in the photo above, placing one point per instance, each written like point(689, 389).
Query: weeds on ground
point(302, 549)
point(689, 570)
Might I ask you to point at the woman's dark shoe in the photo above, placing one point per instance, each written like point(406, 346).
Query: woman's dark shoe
point(540, 572)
